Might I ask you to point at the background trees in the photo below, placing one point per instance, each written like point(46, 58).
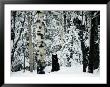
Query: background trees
point(72, 35)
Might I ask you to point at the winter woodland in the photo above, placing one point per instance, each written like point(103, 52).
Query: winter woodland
point(55, 41)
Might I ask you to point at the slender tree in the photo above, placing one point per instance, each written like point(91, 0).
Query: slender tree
point(15, 42)
point(30, 43)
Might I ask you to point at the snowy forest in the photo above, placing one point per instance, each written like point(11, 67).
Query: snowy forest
point(55, 41)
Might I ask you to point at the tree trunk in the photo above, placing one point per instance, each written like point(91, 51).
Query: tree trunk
point(13, 29)
point(24, 61)
point(82, 44)
point(91, 54)
point(20, 33)
point(64, 12)
point(15, 45)
point(94, 47)
point(83, 52)
point(30, 44)
point(55, 64)
point(41, 47)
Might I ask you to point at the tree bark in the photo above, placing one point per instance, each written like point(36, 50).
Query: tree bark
point(15, 46)
point(13, 29)
point(64, 12)
point(94, 47)
point(41, 48)
point(91, 53)
point(30, 44)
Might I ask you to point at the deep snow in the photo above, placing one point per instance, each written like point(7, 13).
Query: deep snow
point(76, 69)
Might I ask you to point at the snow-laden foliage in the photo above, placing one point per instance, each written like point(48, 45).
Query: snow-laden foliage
point(36, 35)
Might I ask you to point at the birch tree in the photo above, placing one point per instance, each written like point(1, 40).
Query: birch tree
point(40, 43)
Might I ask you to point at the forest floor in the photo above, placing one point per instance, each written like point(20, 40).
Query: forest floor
point(74, 70)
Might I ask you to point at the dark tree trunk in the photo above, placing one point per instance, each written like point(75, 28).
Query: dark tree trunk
point(55, 64)
point(64, 12)
point(12, 30)
point(94, 47)
point(84, 57)
point(15, 46)
point(83, 45)
point(24, 62)
point(83, 48)
point(91, 54)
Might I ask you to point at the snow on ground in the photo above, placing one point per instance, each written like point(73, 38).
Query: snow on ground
point(74, 70)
